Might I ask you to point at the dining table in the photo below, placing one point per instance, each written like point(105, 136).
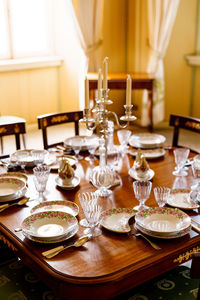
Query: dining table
point(112, 263)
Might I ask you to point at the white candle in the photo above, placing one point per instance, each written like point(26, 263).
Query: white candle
point(105, 72)
point(128, 90)
point(99, 83)
point(86, 93)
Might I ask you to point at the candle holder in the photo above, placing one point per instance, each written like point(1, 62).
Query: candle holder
point(98, 118)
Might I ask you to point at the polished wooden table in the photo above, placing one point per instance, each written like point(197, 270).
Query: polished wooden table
point(117, 81)
point(111, 263)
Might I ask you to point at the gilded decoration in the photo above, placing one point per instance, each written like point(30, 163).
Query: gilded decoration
point(9, 244)
point(44, 123)
point(187, 255)
point(191, 124)
point(16, 129)
point(176, 123)
point(59, 119)
point(76, 117)
point(3, 130)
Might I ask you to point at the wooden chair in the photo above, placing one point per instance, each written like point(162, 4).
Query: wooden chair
point(52, 119)
point(183, 122)
point(11, 125)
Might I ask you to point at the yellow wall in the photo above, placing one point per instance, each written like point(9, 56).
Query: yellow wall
point(33, 92)
point(178, 74)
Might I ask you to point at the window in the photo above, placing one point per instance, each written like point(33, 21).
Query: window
point(25, 28)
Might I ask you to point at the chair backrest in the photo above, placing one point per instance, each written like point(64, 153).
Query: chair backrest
point(183, 122)
point(11, 125)
point(53, 119)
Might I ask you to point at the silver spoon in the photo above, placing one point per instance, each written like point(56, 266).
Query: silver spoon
point(78, 243)
point(20, 202)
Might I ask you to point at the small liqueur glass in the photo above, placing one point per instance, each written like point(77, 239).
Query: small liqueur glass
point(180, 156)
point(92, 212)
point(40, 177)
point(161, 195)
point(142, 190)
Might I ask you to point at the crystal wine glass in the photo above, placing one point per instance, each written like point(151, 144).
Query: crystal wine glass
point(92, 197)
point(123, 137)
point(92, 212)
point(161, 195)
point(22, 158)
point(40, 177)
point(142, 190)
point(38, 156)
point(180, 156)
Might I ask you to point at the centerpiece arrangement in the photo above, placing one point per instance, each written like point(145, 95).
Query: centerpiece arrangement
point(103, 176)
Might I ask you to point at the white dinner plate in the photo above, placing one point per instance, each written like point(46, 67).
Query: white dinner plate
point(149, 153)
point(53, 240)
point(74, 183)
point(116, 219)
point(10, 187)
point(147, 176)
point(146, 140)
point(84, 142)
point(163, 220)
point(164, 236)
point(181, 198)
point(57, 205)
point(49, 225)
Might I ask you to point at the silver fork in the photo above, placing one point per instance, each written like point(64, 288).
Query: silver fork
point(136, 233)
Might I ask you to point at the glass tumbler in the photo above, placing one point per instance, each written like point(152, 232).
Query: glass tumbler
point(161, 195)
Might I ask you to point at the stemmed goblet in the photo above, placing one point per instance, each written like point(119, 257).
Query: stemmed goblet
point(76, 146)
point(40, 177)
point(180, 156)
point(142, 190)
point(161, 194)
point(92, 212)
point(123, 137)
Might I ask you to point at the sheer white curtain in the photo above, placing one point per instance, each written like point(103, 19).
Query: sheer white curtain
point(88, 19)
point(161, 17)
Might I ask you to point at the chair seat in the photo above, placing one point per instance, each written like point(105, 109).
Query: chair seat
point(4, 120)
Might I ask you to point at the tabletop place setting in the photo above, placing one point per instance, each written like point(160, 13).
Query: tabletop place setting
point(127, 204)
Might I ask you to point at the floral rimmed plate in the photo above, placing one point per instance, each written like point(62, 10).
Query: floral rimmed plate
point(164, 236)
point(147, 176)
point(74, 183)
point(49, 225)
point(146, 140)
point(181, 198)
point(57, 205)
point(9, 187)
point(116, 219)
point(17, 175)
point(163, 220)
point(53, 240)
point(149, 153)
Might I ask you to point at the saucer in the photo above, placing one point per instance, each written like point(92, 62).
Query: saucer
point(148, 176)
point(68, 186)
